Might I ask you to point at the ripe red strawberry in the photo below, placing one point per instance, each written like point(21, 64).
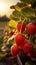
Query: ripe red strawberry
point(27, 48)
point(11, 33)
point(20, 27)
point(35, 28)
point(20, 40)
point(31, 28)
point(33, 54)
point(14, 50)
point(25, 41)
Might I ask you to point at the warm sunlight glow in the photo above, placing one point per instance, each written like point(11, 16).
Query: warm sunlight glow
point(2, 6)
point(5, 7)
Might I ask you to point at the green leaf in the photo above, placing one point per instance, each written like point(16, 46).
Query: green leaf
point(3, 54)
point(32, 19)
point(12, 7)
point(16, 19)
point(27, 12)
point(18, 6)
point(27, 1)
point(16, 14)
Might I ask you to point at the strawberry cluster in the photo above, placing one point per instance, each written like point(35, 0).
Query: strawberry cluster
point(21, 41)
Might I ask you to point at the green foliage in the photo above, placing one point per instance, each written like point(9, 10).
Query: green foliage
point(16, 14)
point(23, 9)
point(1, 41)
point(18, 6)
point(27, 1)
point(14, 18)
point(28, 12)
point(29, 63)
point(33, 39)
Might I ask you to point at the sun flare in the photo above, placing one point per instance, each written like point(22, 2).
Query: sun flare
point(2, 6)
